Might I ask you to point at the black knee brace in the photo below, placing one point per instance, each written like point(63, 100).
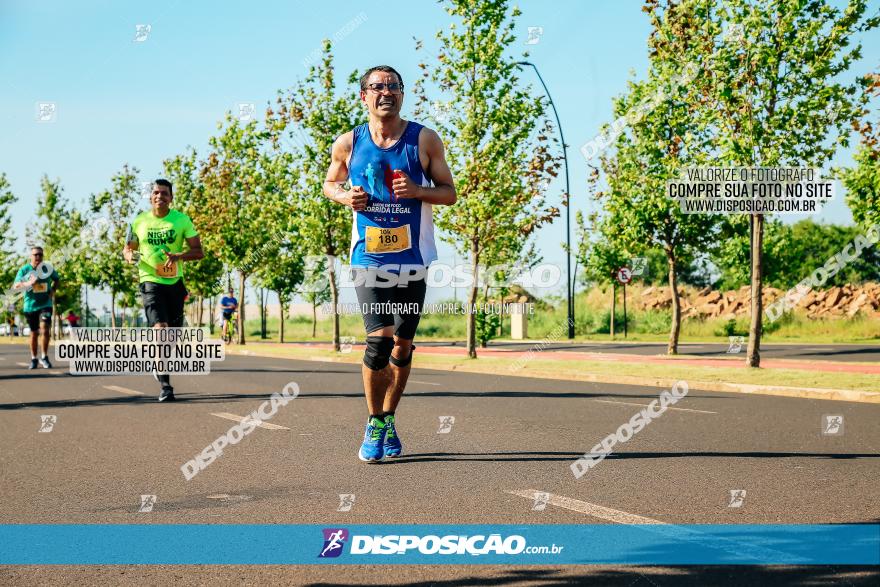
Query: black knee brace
point(378, 352)
point(402, 362)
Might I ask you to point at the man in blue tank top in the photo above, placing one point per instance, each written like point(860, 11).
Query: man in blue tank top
point(398, 171)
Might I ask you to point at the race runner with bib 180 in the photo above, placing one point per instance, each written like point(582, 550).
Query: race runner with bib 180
point(398, 171)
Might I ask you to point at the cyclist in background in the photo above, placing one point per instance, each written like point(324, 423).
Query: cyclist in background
point(229, 305)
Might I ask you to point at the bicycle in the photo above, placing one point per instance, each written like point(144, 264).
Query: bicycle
point(229, 337)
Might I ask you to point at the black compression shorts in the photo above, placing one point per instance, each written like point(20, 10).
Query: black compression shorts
point(34, 318)
point(163, 303)
point(400, 307)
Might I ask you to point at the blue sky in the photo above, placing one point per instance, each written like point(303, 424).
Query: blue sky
point(120, 101)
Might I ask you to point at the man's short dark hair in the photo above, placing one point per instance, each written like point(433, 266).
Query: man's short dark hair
point(37, 249)
point(385, 68)
point(166, 183)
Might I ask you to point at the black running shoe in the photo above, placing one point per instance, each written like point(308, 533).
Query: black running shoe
point(45, 363)
point(33, 364)
point(167, 394)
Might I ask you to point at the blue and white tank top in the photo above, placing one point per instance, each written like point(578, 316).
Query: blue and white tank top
point(390, 230)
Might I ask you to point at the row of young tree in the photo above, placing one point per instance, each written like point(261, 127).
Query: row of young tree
point(768, 84)
point(255, 193)
point(791, 252)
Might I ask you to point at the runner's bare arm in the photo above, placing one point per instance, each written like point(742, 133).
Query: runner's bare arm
point(194, 253)
point(443, 191)
point(130, 247)
point(26, 283)
point(337, 174)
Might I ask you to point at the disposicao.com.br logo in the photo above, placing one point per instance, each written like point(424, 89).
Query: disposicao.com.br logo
point(335, 538)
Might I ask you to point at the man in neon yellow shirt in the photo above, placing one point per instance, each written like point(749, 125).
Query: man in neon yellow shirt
point(159, 236)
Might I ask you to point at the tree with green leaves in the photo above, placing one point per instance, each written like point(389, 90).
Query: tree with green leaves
point(283, 275)
point(311, 115)
point(238, 215)
point(204, 278)
point(57, 230)
point(9, 260)
point(658, 143)
point(599, 252)
point(789, 249)
point(775, 93)
point(498, 140)
point(107, 268)
point(862, 181)
point(314, 289)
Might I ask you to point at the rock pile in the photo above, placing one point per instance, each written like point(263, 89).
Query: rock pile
point(836, 302)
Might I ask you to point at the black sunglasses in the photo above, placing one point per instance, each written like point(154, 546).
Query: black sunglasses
point(393, 87)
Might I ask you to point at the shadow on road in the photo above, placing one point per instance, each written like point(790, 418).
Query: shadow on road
point(182, 396)
point(696, 576)
point(569, 456)
point(149, 398)
point(875, 352)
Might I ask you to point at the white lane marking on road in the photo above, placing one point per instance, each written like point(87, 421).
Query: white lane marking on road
point(124, 390)
point(674, 531)
point(260, 424)
point(591, 509)
point(608, 401)
point(423, 382)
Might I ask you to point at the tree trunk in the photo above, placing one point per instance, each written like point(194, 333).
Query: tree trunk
point(613, 306)
point(283, 311)
point(211, 309)
point(55, 326)
point(314, 319)
point(241, 306)
point(112, 309)
point(753, 359)
point(264, 310)
point(334, 299)
point(471, 302)
point(675, 329)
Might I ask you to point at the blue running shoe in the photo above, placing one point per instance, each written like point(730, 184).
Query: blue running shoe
point(374, 437)
point(392, 447)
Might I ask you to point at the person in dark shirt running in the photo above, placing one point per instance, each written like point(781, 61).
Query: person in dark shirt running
point(39, 280)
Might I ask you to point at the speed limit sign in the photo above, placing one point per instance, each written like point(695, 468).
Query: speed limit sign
point(624, 275)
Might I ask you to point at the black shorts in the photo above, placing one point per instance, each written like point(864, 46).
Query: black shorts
point(396, 306)
point(163, 303)
point(227, 315)
point(34, 318)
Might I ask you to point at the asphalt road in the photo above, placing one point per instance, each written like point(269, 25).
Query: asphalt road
point(511, 435)
point(809, 352)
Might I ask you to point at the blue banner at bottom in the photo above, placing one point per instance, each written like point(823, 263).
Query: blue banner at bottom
point(510, 544)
